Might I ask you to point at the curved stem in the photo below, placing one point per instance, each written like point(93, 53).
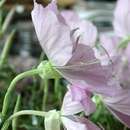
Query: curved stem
point(28, 112)
point(6, 48)
point(12, 87)
point(8, 19)
point(14, 122)
point(20, 113)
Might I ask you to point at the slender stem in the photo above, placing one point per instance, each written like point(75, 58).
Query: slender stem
point(45, 94)
point(57, 90)
point(28, 112)
point(20, 113)
point(8, 20)
point(11, 88)
point(56, 86)
point(6, 49)
point(1, 20)
point(14, 122)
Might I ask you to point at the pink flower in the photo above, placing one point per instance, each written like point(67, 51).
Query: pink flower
point(119, 105)
point(122, 18)
point(67, 116)
point(71, 107)
point(68, 48)
point(79, 99)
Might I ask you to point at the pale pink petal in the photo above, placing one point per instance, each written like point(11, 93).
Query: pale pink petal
point(72, 125)
point(70, 107)
point(122, 18)
point(125, 119)
point(83, 97)
point(110, 43)
point(89, 125)
point(120, 102)
point(85, 30)
point(76, 123)
point(52, 34)
point(83, 66)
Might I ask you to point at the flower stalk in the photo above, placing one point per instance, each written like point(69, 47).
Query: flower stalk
point(14, 122)
point(5, 52)
point(13, 85)
point(20, 113)
point(45, 94)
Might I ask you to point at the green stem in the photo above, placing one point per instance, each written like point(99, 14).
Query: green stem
point(45, 94)
point(8, 20)
point(6, 49)
point(124, 43)
point(20, 113)
point(14, 122)
point(57, 90)
point(11, 88)
point(1, 20)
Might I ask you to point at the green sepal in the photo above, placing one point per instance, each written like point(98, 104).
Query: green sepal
point(52, 120)
point(124, 43)
point(48, 71)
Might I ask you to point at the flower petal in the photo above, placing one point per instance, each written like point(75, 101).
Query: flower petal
point(85, 30)
point(83, 66)
point(120, 102)
point(125, 119)
point(77, 123)
point(52, 34)
point(122, 18)
point(70, 107)
point(72, 125)
point(83, 97)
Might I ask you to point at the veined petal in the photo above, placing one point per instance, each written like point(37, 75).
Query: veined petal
point(122, 18)
point(110, 43)
point(77, 123)
point(120, 102)
point(72, 125)
point(85, 30)
point(89, 125)
point(52, 34)
point(125, 119)
point(70, 107)
point(83, 96)
point(83, 66)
